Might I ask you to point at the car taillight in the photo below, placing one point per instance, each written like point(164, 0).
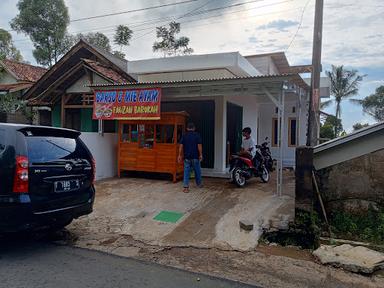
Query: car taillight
point(20, 180)
point(93, 170)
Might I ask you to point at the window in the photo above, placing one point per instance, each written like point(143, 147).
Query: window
point(276, 110)
point(146, 136)
point(45, 149)
point(292, 132)
point(293, 109)
point(134, 133)
point(129, 133)
point(164, 133)
point(125, 133)
point(275, 132)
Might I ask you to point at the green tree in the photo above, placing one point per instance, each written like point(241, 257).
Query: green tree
point(45, 22)
point(359, 126)
point(119, 54)
point(331, 127)
point(122, 36)
point(169, 44)
point(98, 39)
point(374, 104)
point(10, 103)
point(7, 49)
point(344, 84)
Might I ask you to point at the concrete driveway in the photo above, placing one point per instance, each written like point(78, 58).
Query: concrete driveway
point(127, 206)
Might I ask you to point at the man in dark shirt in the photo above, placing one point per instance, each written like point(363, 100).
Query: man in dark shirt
point(191, 150)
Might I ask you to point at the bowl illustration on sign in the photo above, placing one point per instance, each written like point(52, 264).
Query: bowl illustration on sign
point(99, 111)
point(107, 112)
point(103, 111)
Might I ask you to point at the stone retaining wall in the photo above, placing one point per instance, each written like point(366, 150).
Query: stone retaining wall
point(354, 185)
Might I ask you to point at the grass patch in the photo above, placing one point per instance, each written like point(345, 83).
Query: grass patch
point(368, 227)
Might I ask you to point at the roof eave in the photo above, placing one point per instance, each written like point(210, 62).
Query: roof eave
point(355, 135)
point(61, 62)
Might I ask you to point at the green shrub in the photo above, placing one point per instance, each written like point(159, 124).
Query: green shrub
point(304, 232)
point(368, 227)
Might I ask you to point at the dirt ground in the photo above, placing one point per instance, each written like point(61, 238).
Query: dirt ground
point(265, 265)
point(211, 214)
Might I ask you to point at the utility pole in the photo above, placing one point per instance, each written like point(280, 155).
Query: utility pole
point(314, 100)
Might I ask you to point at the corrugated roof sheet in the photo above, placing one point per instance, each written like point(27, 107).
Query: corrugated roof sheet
point(354, 135)
point(23, 71)
point(198, 80)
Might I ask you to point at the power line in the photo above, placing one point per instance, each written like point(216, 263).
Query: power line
point(131, 11)
point(189, 14)
point(298, 27)
point(195, 12)
point(214, 16)
point(182, 16)
point(199, 19)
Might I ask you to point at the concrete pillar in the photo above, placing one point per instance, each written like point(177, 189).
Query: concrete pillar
point(304, 166)
point(220, 133)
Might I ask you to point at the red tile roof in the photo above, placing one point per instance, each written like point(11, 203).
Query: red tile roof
point(23, 71)
point(106, 71)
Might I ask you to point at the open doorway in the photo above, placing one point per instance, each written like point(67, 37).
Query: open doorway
point(234, 127)
point(202, 113)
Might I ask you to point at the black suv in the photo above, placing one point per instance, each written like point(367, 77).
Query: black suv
point(46, 177)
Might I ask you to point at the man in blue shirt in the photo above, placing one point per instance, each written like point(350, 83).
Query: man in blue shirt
point(191, 150)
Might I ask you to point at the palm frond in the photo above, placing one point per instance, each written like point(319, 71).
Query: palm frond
point(356, 101)
point(325, 104)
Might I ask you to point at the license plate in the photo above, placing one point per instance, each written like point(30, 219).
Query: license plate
point(66, 185)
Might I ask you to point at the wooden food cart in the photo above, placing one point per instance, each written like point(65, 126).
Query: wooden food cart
point(151, 145)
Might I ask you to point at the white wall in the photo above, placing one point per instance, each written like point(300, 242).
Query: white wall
point(266, 114)
point(104, 151)
point(186, 75)
point(79, 86)
point(250, 111)
point(233, 62)
point(264, 64)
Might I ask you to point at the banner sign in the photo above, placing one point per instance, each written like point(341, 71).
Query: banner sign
point(127, 104)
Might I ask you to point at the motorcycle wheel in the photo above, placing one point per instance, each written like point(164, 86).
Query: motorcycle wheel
point(264, 175)
point(238, 179)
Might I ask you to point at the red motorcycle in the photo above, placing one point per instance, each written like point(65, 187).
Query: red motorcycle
point(243, 168)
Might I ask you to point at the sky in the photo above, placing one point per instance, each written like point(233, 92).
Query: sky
point(353, 33)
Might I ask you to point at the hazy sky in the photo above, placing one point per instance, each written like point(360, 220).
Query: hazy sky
point(353, 32)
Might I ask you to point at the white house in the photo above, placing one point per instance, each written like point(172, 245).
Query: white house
point(247, 103)
point(222, 93)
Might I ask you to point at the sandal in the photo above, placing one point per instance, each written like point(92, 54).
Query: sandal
point(186, 190)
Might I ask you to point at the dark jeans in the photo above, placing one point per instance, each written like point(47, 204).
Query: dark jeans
point(190, 164)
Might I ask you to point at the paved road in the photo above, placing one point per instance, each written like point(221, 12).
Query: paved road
point(41, 264)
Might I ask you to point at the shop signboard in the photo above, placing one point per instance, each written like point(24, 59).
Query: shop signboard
point(127, 104)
